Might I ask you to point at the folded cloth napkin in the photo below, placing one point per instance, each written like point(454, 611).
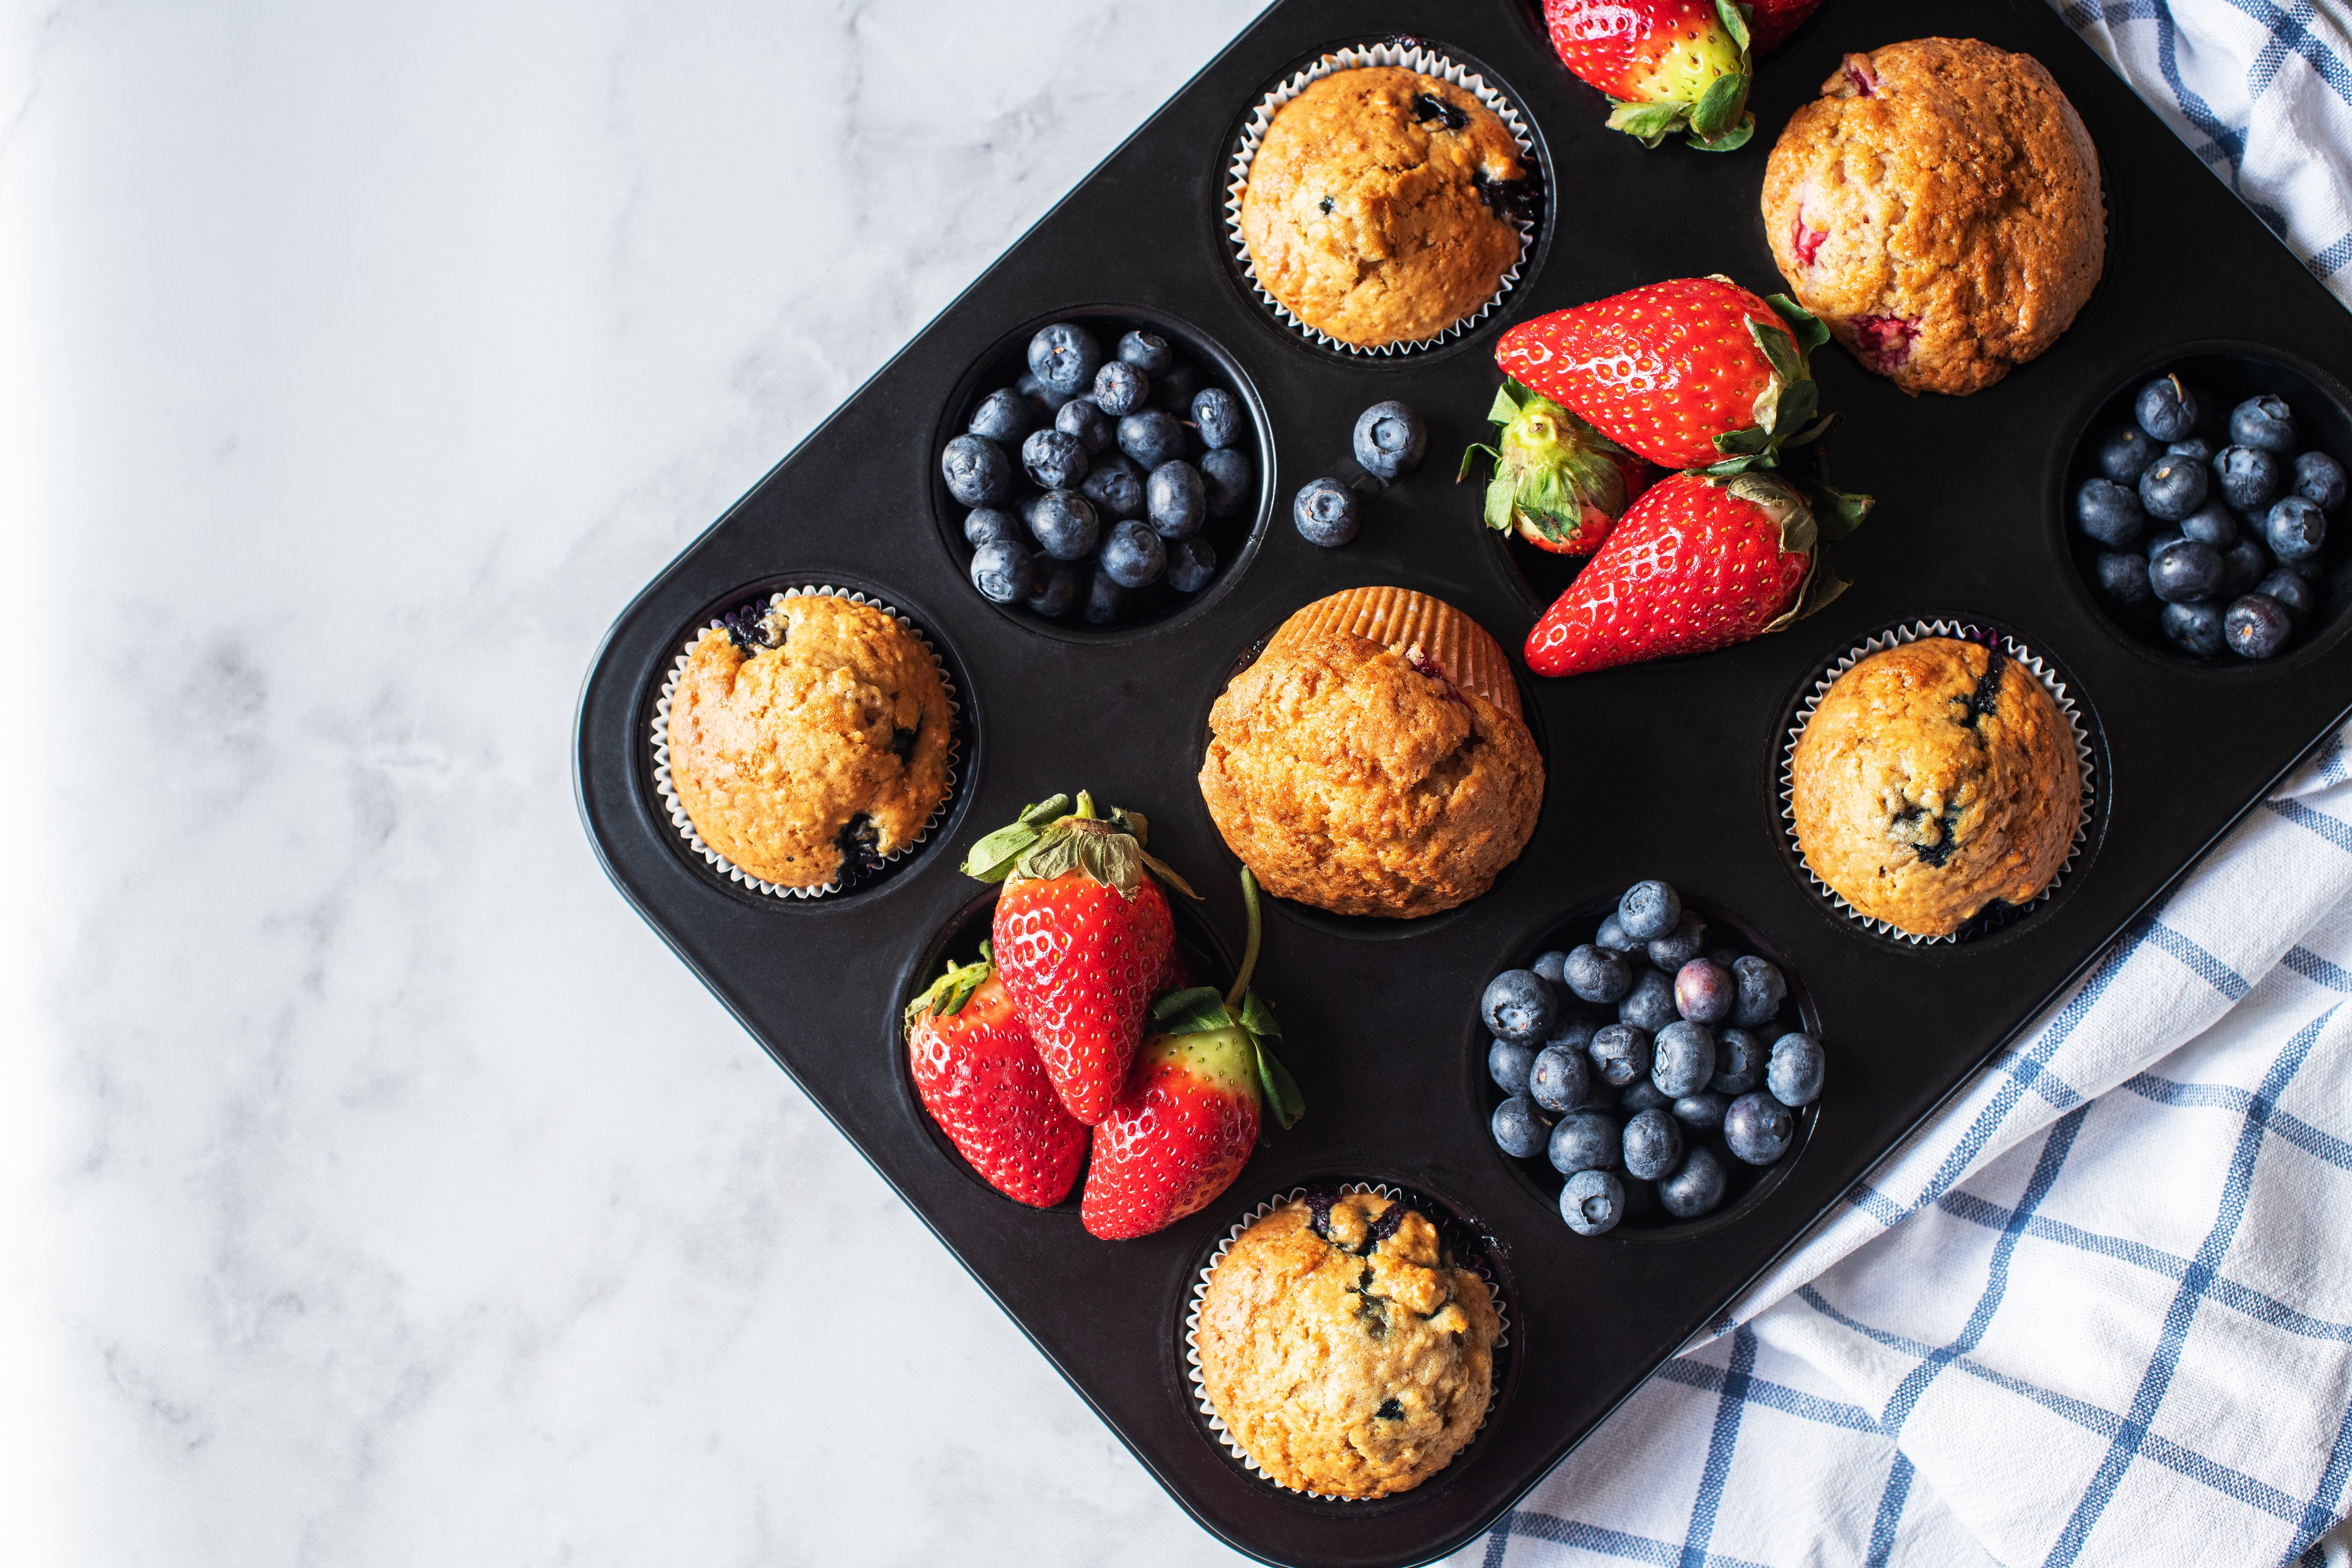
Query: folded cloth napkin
point(2100, 1311)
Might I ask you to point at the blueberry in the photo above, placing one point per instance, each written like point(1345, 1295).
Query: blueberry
point(1083, 417)
point(1326, 513)
point(1065, 356)
point(2194, 627)
point(2123, 577)
point(1696, 1188)
point(1705, 991)
point(1105, 599)
point(1055, 592)
point(1727, 954)
point(1762, 988)
point(1558, 1076)
point(1217, 414)
point(1120, 388)
point(1652, 1144)
point(1147, 351)
point(2295, 530)
point(1508, 1064)
point(2210, 524)
point(1643, 1094)
point(1046, 397)
point(2108, 512)
point(1611, 935)
point(1004, 417)
point(1583, 1140)
point(1794, 1073)
point(2248, 477)
point(1114, 486)
point(1604, 1100)
point(1549, 966)
point(2172, 489)
point(1065, 525)
point(1172, 389)
point(1192, 564)
point(2184, 571)
point(1054, 460)
point(978, 473)
point(1152, 438)
point(1680, 946)
point(2319, 480)
point(2294, 595)
point(1649, 911)
point(1576, 1028)
point(1001, 571)
point(2197, 449)
point(1682, 1059)
point(1517, 1006)
point(1703, 1111)
point(1174, 500)
point(2243, 564)
point(1597, 974)
point(1739, 1058)
point(2125, 455)
point(988, 524)
point(1593, 1203)
point(2167, 409)
point(2265, 422)
point(1757, 1128)
point(1226, 479)
point(2157, 541)
point(1519, 1128)
point(2256, 626)
point(1620, 1054)
point(1650, 1006)
point(1133, 556)
point(1389, 440)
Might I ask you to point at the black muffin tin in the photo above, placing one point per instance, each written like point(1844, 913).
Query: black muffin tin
point(1668, 769)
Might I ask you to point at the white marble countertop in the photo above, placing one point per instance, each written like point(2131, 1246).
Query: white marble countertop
point(376, 1188)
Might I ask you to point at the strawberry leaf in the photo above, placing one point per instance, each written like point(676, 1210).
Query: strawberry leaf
point(1744, 443)
point(1258, 1017)
point(946, 995)
point(1718, 108)
point(1731, 140)
point(992, 858)
point(1780, 350)
point(1797, 400)
point(1734, 18)
point(1840, 512)
point(1193, 1012)
point(1812, 433)
point(1807, 329)
point(1506, 406)
point(1470, 458)
point(1279, 1089)
point(1651, 122)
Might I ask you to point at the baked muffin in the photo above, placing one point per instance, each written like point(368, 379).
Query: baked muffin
point(1933, 778)
point(1938, 207)
point(1376, 204)
point(1343, 1351)
point(811, 742)
point(1416, 625)
point(1345, 776)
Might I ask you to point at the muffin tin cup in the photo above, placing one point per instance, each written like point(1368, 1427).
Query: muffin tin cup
point(675, 808)
point(1999, 913)
point(1410, 55)
point(1199, 1294)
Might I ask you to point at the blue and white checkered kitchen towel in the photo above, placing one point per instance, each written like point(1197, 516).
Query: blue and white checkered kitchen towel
point(2099, 1313)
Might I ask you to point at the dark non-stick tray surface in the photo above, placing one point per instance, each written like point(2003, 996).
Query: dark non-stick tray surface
point(1663, 770)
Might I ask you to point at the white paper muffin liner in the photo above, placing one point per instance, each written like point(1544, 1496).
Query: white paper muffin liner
point(1411, 56)
point(1193, 1374)
point(676, 807)
point(2025, 657)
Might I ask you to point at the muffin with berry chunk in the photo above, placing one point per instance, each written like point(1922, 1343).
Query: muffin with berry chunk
point(1938, 206)
point(1419, 626)
point(809, 740)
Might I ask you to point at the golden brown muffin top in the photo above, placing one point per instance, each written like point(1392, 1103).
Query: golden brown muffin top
point(1350, 1358)
point(1419, 626)
point(1934, 778)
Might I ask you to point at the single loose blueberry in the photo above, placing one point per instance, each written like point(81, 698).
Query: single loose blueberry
point(1597, 974)
point(1739, 1058)
point(2123, 578)
point(1650, 1006)
point(1004, 417)
point(1549, 966)
point(1643, 1094)
point(1591, 1201)
point(1054, 460)
point(987, 524)
point(1508, 1065)
point(2265, 422)
point(1120, 388)
point(1619, 1054)
point(1065, 356)
point(2243, 565)
point(1762, 988)
point(1649, 911)
point(1682, 1058)
point(1758, 1129)
point(1389, 440)
point(1174, 500)
point(1192, 564)
point(1326, 513)
point(1114, 486)
point(1172, 389)
point(1152, 438)
point(1695, 1188)
point(2185, 571)
point(1679, 947)
point(1520, 1131)
point(1559, 1077)
point(2210, 524)
point(1083, 417)
point(1106, 598)
point(1217, 414)
point(1705, 991)
point(2248, 477)
point(2125, 455)
point(1001, 571)
point(1651, 1143)
point(977, 470)
point(1147, 351)
point(2172, 489)
point(1064, 525)
point(1133, 555)
point(2294, 593)
point(1583, 1140)
point(2319, 480)
point(1794, 1073)
point(2256, 626)
point(1046, 398)
point(2167, 409)
point(1611, 935)
point(2194, 627)
point(1518, 1006)
point(1226, 479)
point(2108, 512)
point(2197, 449)
point(1056, 593)
point(1703, 1111)
point(2295, 530)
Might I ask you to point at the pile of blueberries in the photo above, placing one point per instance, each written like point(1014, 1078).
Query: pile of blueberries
point(1642, 1110)
point(2227, 542)
point(1089, 480)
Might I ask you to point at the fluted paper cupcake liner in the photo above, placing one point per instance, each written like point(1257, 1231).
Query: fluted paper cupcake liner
point(1193, 1373)
point(2026, 659)
point(676, 808)
point(1411, 57)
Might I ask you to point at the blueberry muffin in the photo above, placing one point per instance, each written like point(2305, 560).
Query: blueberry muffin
point(1938, 206)
point(1343, 1351)
point(1423, 629)
point(809, 741)
point(1348, 776)
point(1933, 778)
point(1376, 205)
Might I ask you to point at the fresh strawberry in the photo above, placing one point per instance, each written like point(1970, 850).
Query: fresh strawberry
point(1557, 481)
point(1666, 64)
point(1184, 1128)
point(1082, 936)
point(977, 1072)
point(1771, 21)
point(1697, 563)
point(1696, 373)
